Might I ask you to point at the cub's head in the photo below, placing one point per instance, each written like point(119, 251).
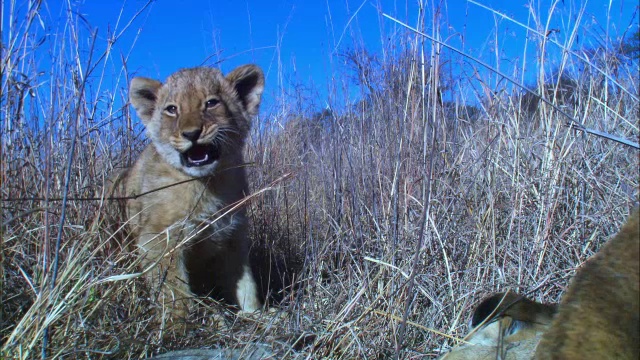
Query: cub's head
point(198, 117)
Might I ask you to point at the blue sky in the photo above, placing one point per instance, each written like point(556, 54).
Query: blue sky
point(299, 38)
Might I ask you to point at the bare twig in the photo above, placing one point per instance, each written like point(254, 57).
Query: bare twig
point(575, 123)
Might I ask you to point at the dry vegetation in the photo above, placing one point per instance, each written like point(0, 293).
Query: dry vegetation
point(431, 184)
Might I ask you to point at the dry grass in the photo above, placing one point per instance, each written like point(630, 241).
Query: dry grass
point(437, 184)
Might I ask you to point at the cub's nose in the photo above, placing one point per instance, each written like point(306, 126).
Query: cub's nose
point(192, 135)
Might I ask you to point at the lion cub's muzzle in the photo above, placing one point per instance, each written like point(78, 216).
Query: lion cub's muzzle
point(198, 154)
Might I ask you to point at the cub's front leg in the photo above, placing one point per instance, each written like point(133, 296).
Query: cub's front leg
point(243, 285)
point(247, 291)
point(165, 271)
point(221, 263)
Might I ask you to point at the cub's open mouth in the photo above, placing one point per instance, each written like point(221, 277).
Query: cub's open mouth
point(199, 155)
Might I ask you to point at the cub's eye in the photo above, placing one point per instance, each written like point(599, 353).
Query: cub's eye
point(211, 103)
point(171, 110)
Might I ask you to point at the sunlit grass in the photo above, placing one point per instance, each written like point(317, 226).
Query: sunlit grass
point(427, 185)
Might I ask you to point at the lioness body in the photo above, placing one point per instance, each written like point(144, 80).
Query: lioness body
point(505, 326)
point(598, 317)
point(187, 181)
point(509, 317)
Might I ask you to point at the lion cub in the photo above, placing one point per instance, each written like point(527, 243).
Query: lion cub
point(186, 184)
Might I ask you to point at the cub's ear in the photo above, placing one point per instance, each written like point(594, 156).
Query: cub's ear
point(248, 81)
point(143, 93)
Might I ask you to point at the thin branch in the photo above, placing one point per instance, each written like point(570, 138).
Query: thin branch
point(574, 123)
point(584, 59)
point(67, 183)
point(112, 198)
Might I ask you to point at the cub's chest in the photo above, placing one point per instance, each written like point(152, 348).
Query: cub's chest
point(185, 205)
point(189, 209)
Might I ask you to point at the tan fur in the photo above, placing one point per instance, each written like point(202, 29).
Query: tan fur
point(516, 317)
point(597, 319)
point(180, 229)
point(599, 314)
point(517, 350)
point(505, 326)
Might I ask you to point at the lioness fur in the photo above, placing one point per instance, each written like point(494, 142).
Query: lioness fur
point(183, 188)
point(501, 321)
point(599, 316)
point(508, 317)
